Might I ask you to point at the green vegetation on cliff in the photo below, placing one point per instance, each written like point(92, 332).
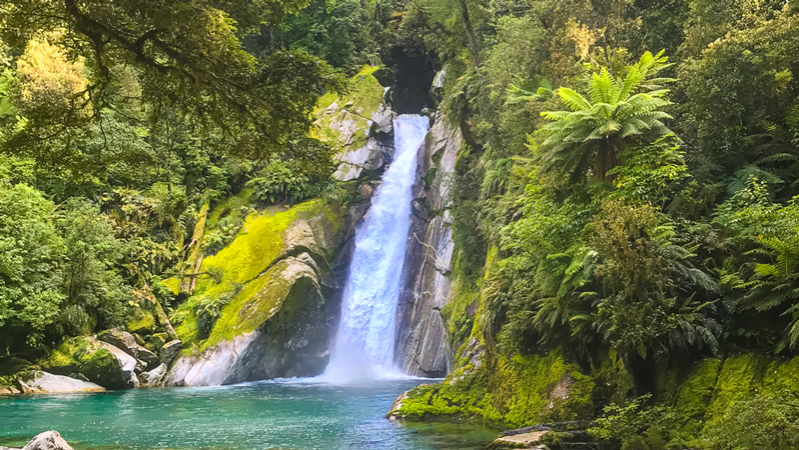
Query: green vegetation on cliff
point(625, 200)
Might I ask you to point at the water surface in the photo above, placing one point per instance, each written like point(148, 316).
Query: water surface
point(302, 416)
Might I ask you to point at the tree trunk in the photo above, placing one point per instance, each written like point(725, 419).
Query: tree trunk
point(469, 33)
point(606, 159)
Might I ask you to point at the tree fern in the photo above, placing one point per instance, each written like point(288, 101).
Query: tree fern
point(617, 112)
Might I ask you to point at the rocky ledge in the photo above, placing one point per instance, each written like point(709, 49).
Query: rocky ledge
point(113, 359)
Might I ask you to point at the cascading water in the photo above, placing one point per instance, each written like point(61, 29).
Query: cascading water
point(364, 347)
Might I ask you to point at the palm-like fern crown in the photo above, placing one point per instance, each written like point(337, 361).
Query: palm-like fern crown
point(617, 109)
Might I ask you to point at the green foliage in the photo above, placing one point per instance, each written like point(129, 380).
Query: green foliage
point(96, 295)
point(635, 426)
point(31, 252)
point(343, 33)
point(758, 422)
point(618, 111)
point(254, 106)
point(650, 173)
point(279, 182)
point(207, 309)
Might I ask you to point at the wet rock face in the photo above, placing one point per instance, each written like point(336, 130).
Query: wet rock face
point(421, 347)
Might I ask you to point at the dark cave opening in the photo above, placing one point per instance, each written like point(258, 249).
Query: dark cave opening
point(410, 74)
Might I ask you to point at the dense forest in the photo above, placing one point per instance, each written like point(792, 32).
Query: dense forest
point(625, 198)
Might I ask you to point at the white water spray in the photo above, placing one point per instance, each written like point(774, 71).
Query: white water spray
point(364, 347)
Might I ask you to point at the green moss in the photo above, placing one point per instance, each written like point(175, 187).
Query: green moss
point(247, 273)
point(258, 243)
point(173, 284)
point(363, 100)
point(735, 383)
point(103, 368)
point(232, 209)
point(510, 393)
point(254, 305)
point(455, 313)
point(87, 356)
point(780, 378)
point(141, 321)
point(614, 383)
point(693, 396)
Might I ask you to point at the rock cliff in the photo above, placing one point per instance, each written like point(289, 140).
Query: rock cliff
point(421, 347)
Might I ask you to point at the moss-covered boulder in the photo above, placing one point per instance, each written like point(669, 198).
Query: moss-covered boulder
point(506, 392)
point(97, 361)
point(353, 124)
point(272, 318)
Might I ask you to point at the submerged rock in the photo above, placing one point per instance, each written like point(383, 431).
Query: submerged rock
point(49, 440)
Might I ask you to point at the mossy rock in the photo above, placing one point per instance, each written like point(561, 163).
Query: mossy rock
point(141, 322)
point(156, 341)
point(173, 284)
point(265, 239)
point(92, 358)
point(515, 392)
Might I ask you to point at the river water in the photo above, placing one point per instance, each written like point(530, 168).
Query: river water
point(256, 416)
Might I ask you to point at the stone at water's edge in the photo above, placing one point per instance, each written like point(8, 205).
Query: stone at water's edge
point(421, 345)
point(290, 337)
point(528, 441)
point(154, 378)
point(49, 440)
point(98, 361)
point(47, 383)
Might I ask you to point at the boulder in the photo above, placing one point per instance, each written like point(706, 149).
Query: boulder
point(278, 327)
point(48, 383)
point(139, 339)
point(149, 358)
point(169, 350)
point(154, 378)
point(26, 389)
point(121, 340)
point(8, 390)
point(49, 440)
point(100, 362)
point(156, 341)
point(275, 323)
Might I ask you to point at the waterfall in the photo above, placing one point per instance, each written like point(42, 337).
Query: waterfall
point(364, 347)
